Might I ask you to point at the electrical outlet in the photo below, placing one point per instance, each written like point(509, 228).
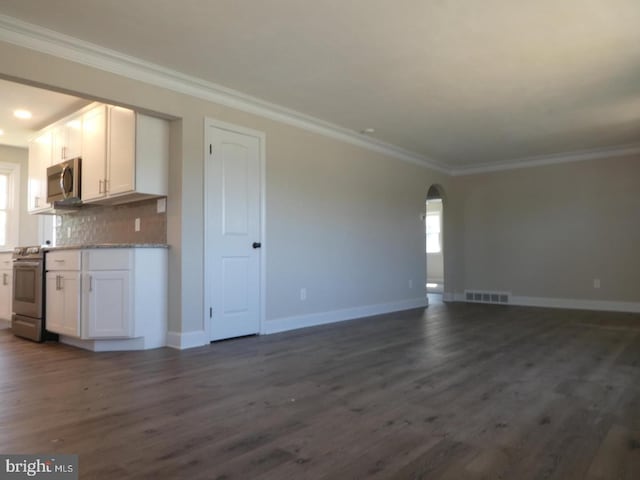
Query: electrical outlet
point(303, 294)
point(596, 283)
point(410, 283)
point(68, 232)
point(136, 225)
point(161, 205)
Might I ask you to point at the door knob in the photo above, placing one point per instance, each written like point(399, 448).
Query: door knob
point(256, 245)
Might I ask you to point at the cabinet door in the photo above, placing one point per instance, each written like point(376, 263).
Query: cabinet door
point(94, 153)
point(107, 307)
point(39, 160)
point(73, 145)
point(67, 140)
point(6, 284)
point(122, 147)
point(63, 303)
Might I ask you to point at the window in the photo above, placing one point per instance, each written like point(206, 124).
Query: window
point(4, 207)
point(433, 225)
point(433, 232)
point(8, 204)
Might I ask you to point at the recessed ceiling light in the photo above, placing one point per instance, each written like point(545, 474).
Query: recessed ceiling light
point(368, 131)
point(23, 114)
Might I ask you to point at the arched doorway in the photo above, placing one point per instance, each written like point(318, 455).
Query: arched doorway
point(434, 245)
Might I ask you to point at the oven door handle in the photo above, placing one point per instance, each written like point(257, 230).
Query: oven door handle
point(22, 264)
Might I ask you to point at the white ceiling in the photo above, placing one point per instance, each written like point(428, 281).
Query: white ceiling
point(45, 106)
point(461, 81)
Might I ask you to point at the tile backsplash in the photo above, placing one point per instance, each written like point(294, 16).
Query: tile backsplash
point(113, 224)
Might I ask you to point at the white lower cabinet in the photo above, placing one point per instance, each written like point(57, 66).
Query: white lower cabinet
point(107, 305)
point(116, 294)
point(63, 302)
point(6, 286)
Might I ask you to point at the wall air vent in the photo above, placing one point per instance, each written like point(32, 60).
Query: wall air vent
point(475, 296)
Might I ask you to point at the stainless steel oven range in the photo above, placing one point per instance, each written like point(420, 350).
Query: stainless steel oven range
point(28, 319)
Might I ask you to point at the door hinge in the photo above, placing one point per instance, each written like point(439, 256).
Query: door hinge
point(210, 149)
point(210, 312)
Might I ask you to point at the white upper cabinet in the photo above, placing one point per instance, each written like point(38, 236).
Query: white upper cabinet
point(40, 149)
point(122, 151)
point(67, 139)
point(125, 155)
point(94, 153)
point(136, 159)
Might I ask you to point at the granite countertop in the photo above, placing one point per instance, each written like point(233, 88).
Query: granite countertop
point(107, 245)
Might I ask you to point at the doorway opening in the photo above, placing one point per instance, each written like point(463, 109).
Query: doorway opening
point(434, 245)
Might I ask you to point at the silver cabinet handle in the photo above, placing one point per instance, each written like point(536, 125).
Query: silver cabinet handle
point(90, 283)
point(36, 202)
point(106, 185)
point(99, 186)
point(5, 276)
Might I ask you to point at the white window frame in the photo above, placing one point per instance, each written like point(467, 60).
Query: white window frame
point(13, 202)
point(439, 216)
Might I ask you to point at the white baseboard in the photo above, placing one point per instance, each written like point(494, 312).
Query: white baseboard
point(568, 303)
point(183, 340)
point(114, 345)
point(314, 319)
point(576, 304)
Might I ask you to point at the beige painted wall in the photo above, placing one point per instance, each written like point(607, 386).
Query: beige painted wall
point(342, 221)
point(28, 225)
point(550, 231)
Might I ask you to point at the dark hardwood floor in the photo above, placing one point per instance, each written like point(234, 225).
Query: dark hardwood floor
point(454, 392)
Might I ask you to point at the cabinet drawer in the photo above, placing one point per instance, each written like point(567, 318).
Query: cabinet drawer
point(107, 259)
point(64, 260)
point(6, 261)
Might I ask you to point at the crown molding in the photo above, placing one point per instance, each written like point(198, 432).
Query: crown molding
point(47, 41)
point(553, 159)
point(59, 45)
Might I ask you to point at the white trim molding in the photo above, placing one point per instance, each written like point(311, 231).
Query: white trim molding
point(183, 340)
point(13, 203)
point(43, 40)
point(47, 41)
point(323, 318)
point(577, 304)
point(553, 159)
point(567, 303)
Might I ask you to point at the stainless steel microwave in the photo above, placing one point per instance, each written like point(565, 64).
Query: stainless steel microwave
point(63, 182)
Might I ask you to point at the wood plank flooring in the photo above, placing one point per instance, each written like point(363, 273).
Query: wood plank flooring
point(456, 391)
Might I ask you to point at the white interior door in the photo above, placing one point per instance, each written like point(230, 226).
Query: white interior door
point(233, 233)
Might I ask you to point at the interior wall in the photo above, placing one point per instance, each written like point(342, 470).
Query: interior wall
point(28, 224)
point(549, 231)
point(342, 221)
